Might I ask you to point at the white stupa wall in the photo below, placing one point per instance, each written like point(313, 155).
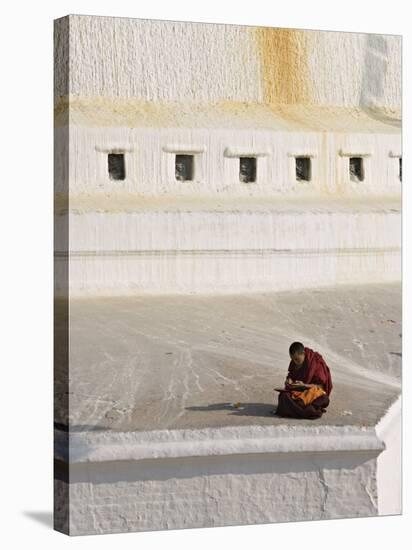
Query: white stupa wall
point(282, 231)
point(151, 89)
point(181, 61)
point(150, 162)
point(120, 245)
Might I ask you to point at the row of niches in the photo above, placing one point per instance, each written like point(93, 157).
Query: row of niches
point(248, 168)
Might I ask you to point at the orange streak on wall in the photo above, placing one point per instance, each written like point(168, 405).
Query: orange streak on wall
point(284, 62)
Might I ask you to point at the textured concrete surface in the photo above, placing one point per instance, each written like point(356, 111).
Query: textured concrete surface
point(150, 363)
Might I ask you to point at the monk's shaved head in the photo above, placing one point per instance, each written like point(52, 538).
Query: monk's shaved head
point(296, 347)
point(297, 353)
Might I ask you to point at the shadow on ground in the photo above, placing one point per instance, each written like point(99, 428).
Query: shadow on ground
point(245, 409)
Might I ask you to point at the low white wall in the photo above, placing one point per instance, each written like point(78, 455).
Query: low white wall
point(115, 497)
point(389, 471)
point(214, 477)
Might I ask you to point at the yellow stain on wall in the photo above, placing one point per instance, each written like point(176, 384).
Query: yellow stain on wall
point(284, 57)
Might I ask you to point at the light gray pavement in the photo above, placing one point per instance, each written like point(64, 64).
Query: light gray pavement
point(171, 362)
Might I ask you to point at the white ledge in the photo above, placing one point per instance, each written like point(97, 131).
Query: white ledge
point(182, 149)
point(395, 154)
point(234, 152)
point(302, 154)
point(115, 148)
point(106, 446)
point(353, 154)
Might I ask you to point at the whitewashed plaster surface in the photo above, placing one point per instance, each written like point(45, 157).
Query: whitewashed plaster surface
point(166, 87)
point(150, 171)
point(232, 489)
point(140, 481)
point(123, 496)
point(203, 62)
point(196, 251)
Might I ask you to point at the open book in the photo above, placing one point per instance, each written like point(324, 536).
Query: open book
point(294, 387)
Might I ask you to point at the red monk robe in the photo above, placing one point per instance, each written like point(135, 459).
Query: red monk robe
point(314, 370)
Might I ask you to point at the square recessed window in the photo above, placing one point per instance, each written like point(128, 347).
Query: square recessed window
point(184, 167)
point(247, 169)
point(116, 166)
point(303, 168)
point(356, 170)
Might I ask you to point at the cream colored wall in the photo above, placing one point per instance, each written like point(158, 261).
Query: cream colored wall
point(203, 62)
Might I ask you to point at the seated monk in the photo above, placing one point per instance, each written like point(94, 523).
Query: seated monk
point(308, 384)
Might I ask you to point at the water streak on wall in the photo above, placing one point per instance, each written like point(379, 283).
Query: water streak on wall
point(284, 64)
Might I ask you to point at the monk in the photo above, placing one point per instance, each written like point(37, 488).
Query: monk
point(308, 384)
